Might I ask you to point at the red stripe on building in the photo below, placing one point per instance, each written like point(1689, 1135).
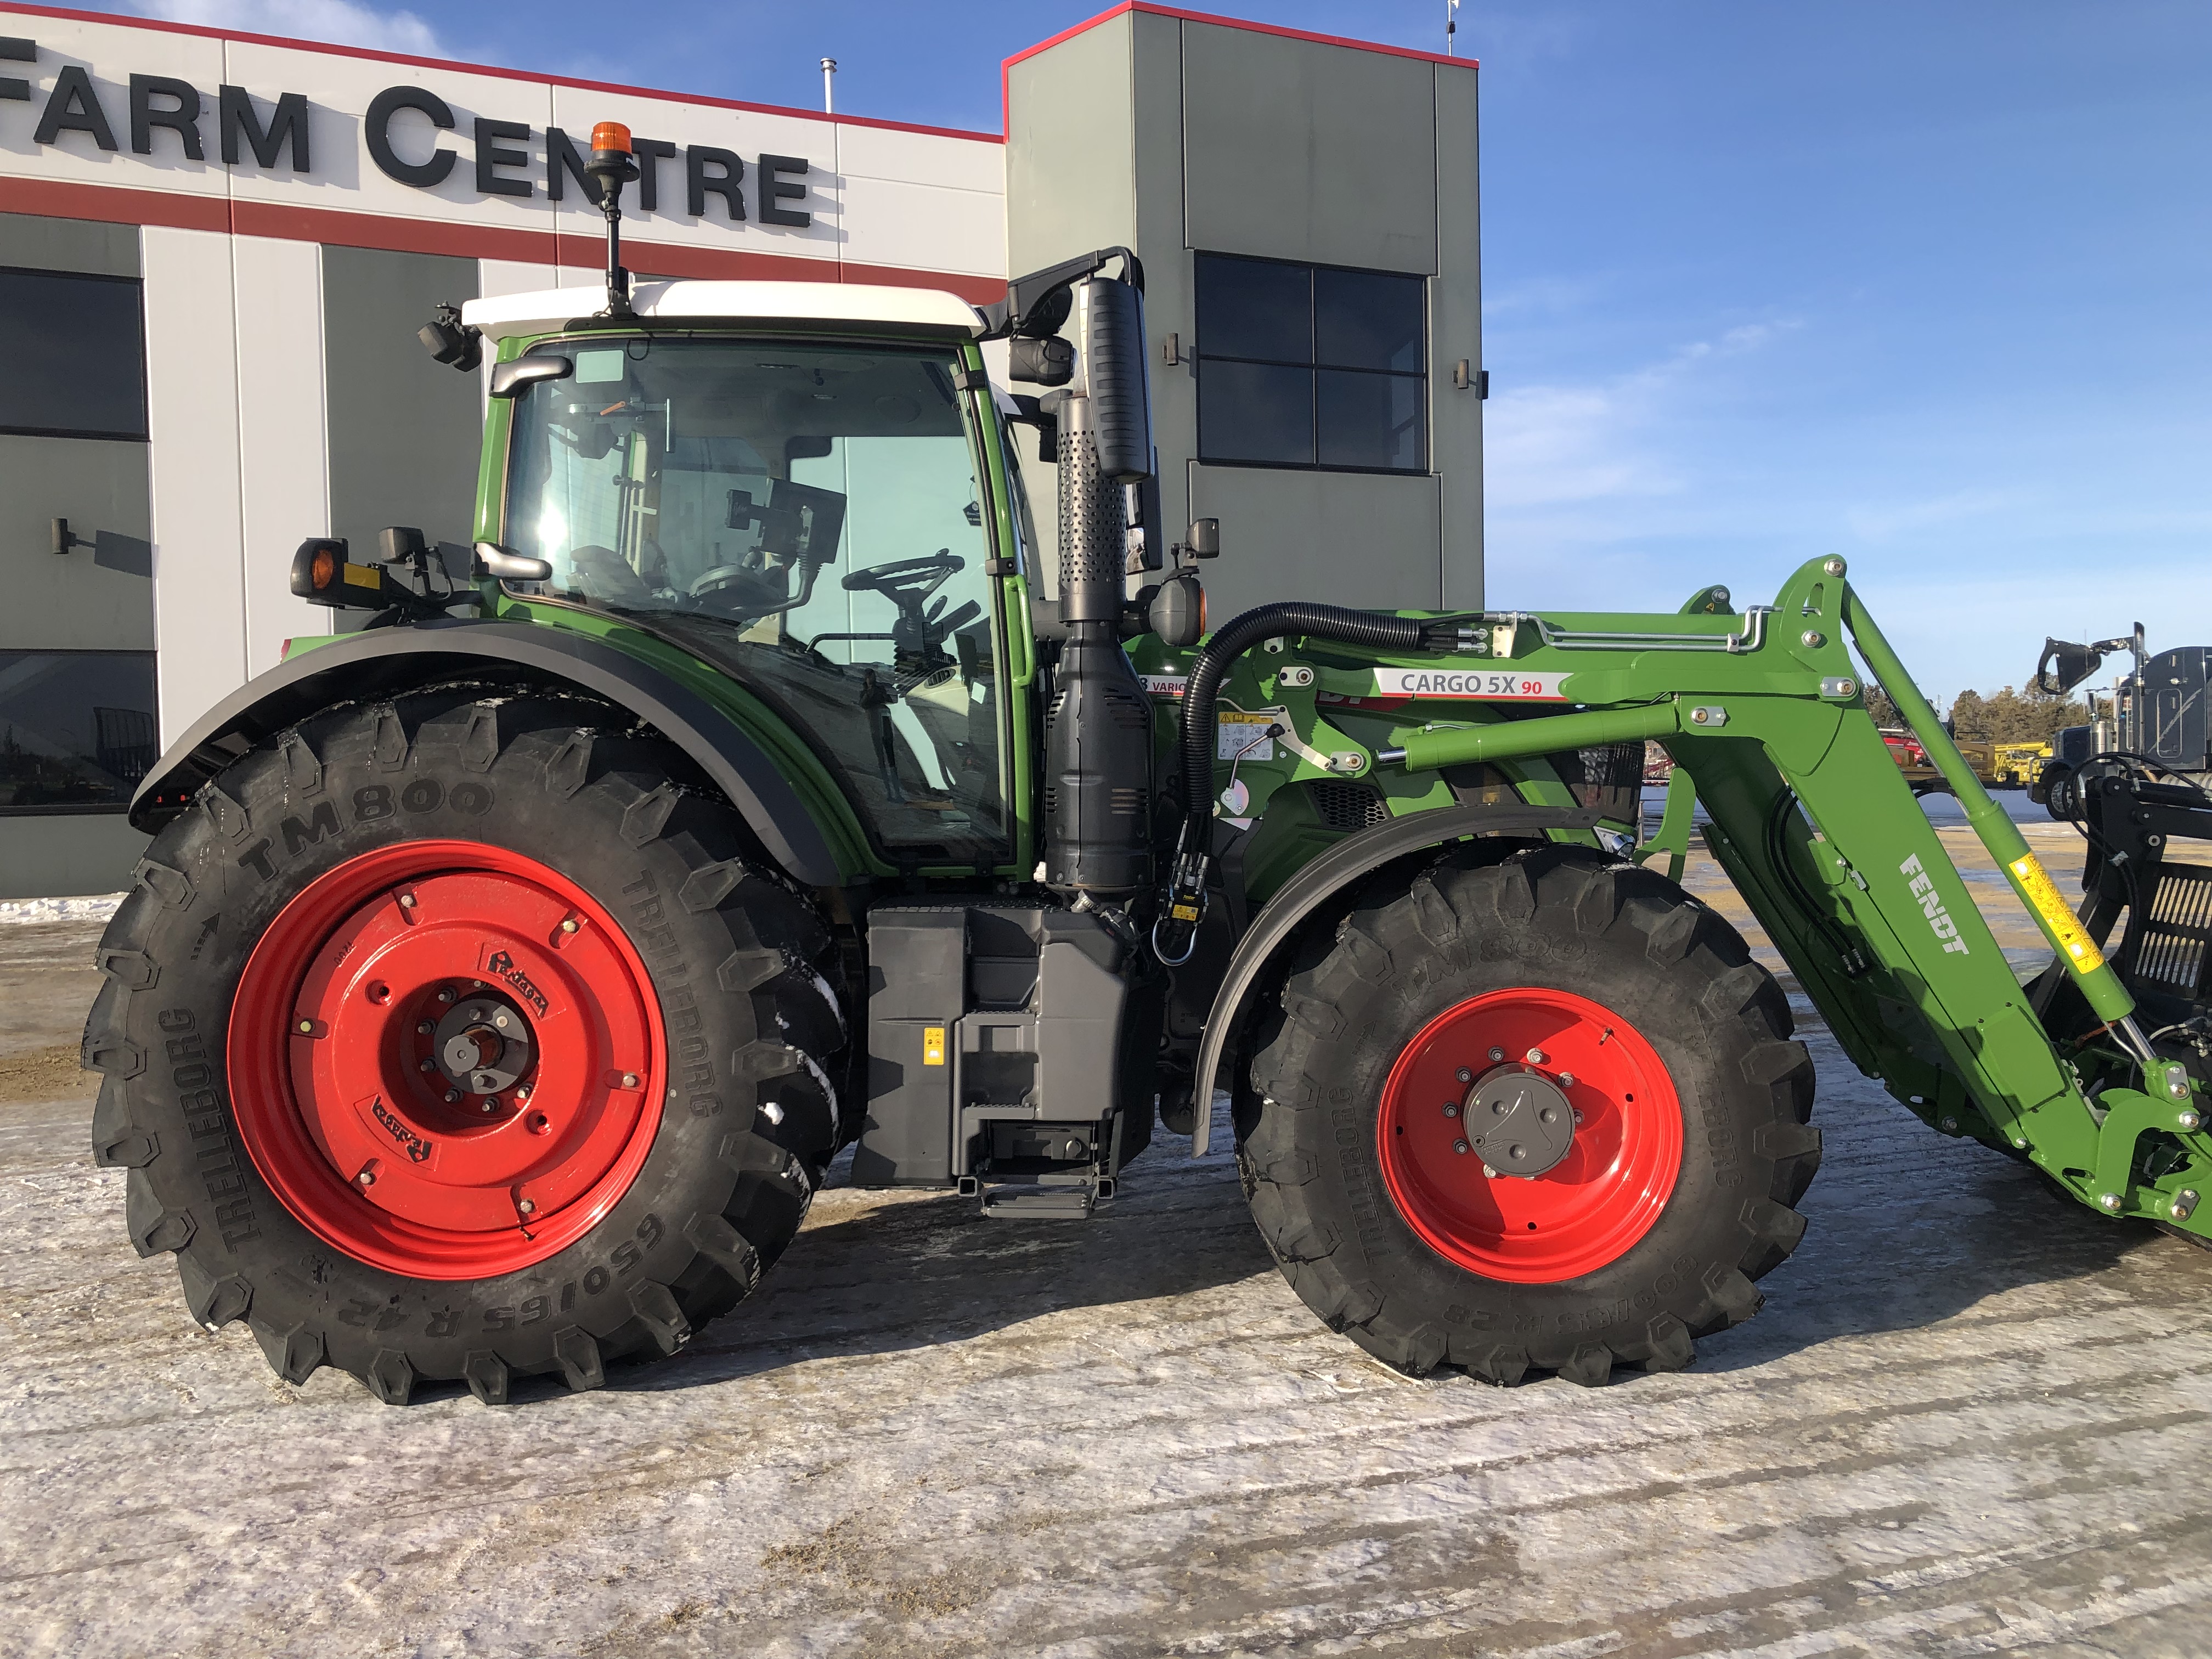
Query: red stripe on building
point(1147, 7)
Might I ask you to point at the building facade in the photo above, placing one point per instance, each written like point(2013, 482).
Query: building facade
point(215, 249)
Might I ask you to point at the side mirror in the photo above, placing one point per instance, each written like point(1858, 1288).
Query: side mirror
point(496, 564)
point(1109, 322)
point(512, 379)
point(1177, 612)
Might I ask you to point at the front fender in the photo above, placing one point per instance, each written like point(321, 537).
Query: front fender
point(383, 662)
point(1304, 893)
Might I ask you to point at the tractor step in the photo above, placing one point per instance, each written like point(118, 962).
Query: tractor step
point(1067, 1198)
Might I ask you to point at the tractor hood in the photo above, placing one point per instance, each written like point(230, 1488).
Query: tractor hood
point(551, 309)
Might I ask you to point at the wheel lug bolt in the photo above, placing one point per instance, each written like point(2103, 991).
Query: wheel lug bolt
point(451, 1094)
point(446, 995)
point(307, 1027)
point(629, 1079)
point(1535, 1056)
point(491, 1104)
point(569, 926)
point(1566, 1079)
point(428, 1065)
point(1451, 1108)
point(1462, 1146)
point(1497, 1055)
point(424, 1027)
point(367, 1177)
point(525, 1206)
point(1464, 1075)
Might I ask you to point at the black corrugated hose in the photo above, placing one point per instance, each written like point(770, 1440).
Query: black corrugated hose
point(1176, 930)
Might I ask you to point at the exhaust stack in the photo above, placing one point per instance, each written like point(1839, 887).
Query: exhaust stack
point(1099, 736)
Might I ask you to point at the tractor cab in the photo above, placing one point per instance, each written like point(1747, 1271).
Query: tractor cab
point(801, 499)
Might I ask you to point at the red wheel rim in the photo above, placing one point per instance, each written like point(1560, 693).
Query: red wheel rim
point(326, 1054)
point(1589, 1209)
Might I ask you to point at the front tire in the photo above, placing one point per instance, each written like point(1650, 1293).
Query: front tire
point(1598, 998)
point(448, 1040)
point(2059, 787)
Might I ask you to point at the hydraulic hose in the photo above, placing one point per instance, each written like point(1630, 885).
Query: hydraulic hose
point(1176, 931)
point(1231, 640)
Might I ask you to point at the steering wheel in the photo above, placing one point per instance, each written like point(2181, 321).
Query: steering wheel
point(907, 581)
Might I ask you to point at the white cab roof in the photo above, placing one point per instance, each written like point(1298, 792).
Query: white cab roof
point(541, 312)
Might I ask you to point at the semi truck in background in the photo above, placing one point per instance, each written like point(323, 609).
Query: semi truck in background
point(2154, 716)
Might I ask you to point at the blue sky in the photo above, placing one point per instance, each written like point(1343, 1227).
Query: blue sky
point(1928, 284)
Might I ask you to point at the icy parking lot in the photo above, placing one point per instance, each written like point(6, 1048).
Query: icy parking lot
point(1972, 1419)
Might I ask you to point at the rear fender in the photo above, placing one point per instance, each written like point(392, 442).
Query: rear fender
point(1309, 892)
point(384, 662)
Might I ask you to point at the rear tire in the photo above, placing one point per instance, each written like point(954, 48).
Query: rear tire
point(1650, 1229)
point(685, 1030)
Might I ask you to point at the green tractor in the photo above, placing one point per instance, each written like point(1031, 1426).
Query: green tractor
point(505, 975)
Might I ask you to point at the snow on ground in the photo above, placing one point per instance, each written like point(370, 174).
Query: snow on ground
point(1968, 1422)
point(98, 908)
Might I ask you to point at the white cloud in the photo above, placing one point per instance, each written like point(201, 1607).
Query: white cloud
point(1555, 446)
point(335, 22)
point(1887, 521)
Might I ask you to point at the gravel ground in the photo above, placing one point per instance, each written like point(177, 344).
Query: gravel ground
point(1961, 1425)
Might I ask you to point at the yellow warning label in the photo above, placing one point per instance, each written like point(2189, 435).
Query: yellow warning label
point(932, 1045)
point(2057, 917)
point(364, 576)
point(1184, 912)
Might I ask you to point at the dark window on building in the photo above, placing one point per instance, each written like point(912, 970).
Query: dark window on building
point(1311, 366)
point(75, 351)
point(78, 729)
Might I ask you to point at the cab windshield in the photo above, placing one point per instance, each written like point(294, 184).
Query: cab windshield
point(806, 517)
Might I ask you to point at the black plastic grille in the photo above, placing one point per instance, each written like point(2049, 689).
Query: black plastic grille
point(1346, 807)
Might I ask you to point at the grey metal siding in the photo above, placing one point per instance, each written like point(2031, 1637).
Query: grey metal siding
point(403, 430)
point(1455, 335)
point(1297, 151)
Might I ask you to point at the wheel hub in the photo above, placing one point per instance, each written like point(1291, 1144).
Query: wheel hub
point(1519, 1122)
point(446, 1060)
point(483, 1045)
point(1587, 1124)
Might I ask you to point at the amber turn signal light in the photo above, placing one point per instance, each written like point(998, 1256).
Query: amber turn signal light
point(322, 575)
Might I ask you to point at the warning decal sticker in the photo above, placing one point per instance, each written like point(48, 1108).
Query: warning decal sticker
point(2059, 918)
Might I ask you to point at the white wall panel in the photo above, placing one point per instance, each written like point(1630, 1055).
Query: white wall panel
point(109, 53)
point(920, 226)
point(920, 158)
point(746, 132)
point(498, 276)
point(284, 458)
point(191, 410)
